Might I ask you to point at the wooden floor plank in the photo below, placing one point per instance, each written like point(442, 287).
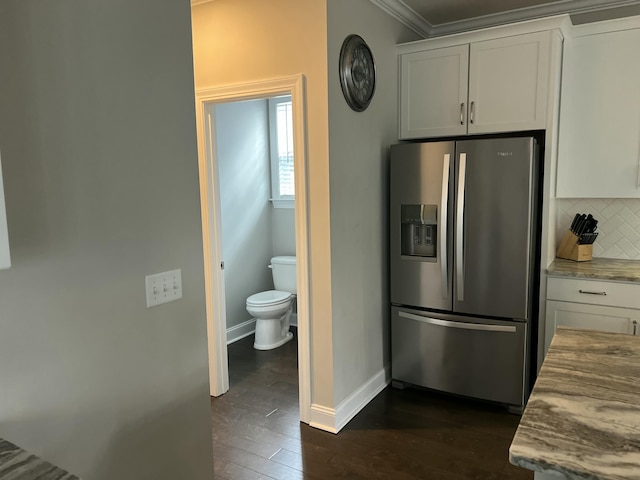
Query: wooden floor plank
point(402, 434)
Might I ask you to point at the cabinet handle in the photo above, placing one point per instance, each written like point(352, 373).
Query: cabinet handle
point(473, 109)
point(592, 293)
point(462, 114)
point(635, 327)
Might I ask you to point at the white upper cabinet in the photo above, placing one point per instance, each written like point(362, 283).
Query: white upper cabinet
point(433, 92)
point(508, 80)
point(599, 137)
point(489, 86)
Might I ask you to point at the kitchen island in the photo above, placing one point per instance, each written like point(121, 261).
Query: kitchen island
point(582, 420)
point(18, 464)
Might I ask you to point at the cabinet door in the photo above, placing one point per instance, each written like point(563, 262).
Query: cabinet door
point(599, 133)
point(433, 92)
point(508, 83)
point(593, 317)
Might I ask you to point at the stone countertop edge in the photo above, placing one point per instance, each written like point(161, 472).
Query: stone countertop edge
point(583, 416)
point(608, 269)
point(18, 464)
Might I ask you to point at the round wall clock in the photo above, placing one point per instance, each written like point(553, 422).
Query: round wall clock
point(357, 73)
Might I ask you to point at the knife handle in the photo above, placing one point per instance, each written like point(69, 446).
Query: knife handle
point(575, 222)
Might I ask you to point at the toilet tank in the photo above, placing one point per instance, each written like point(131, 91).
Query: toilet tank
point(283, 270)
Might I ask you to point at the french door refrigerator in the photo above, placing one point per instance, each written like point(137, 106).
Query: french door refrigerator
point(463, 253)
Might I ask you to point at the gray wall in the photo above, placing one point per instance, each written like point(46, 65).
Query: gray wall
point(245, 184)
point(284, 231)
point(358, 156)
point(97, 130)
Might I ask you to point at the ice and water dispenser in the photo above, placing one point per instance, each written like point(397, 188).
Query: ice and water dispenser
point(419, 232)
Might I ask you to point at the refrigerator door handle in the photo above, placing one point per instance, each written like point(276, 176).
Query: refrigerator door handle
point(442, 226)
point(461, 325)
point(460, 228)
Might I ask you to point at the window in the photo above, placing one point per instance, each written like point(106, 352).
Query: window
point(281, 138)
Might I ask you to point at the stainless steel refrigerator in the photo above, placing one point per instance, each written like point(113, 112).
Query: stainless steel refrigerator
point(464, 229)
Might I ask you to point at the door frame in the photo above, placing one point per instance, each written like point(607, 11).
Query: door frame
point(206, 98)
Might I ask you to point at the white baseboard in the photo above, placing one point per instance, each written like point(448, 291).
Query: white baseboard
point(240, 331)
point(247, 328)
point(333, 420)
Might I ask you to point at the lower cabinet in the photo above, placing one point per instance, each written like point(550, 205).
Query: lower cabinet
point(591, 306)
point(592, 317)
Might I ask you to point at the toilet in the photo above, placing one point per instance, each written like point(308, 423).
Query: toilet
point(272, 309)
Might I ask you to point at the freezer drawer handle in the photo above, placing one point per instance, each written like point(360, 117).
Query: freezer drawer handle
point(442, 220)
point(592, 293)
point(461, 325)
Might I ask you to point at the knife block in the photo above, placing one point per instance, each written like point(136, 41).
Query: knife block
point(570, 250)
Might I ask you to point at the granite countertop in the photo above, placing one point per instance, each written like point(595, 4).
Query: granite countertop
point(583, 416)
point(611, 269)
point(17, 464)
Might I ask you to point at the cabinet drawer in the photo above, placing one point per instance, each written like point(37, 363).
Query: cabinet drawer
point(593, 292)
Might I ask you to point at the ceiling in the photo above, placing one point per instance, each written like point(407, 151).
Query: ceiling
point(431, 18)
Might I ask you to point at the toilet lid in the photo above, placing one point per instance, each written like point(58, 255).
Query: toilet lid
point(270, 297)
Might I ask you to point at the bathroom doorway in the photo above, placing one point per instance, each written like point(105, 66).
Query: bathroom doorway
point(211, 103)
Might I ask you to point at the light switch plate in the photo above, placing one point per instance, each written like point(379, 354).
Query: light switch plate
point(163, 287)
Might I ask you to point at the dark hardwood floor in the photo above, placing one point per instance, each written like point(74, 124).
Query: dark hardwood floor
point(401, 434)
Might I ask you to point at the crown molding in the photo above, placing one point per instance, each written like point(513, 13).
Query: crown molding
point(528, 13)
point(405, 15)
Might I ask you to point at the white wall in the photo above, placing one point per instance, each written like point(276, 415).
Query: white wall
point(242, 131)
point(618, 224)
point(358, 152)
point(97, 131)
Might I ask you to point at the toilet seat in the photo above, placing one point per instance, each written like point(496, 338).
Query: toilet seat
point(269, 298)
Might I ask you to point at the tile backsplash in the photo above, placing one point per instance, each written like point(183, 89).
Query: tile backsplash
point(618, 224)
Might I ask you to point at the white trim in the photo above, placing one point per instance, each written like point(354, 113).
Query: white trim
point(606, 26)
point(412, 20)
point(212, 249)
point(560, 22)
point(528, 13)
point(244, 329)
point(405, 15)
point(334, 420)
point(240, 331)
point(323, 418)
point(294, 85)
